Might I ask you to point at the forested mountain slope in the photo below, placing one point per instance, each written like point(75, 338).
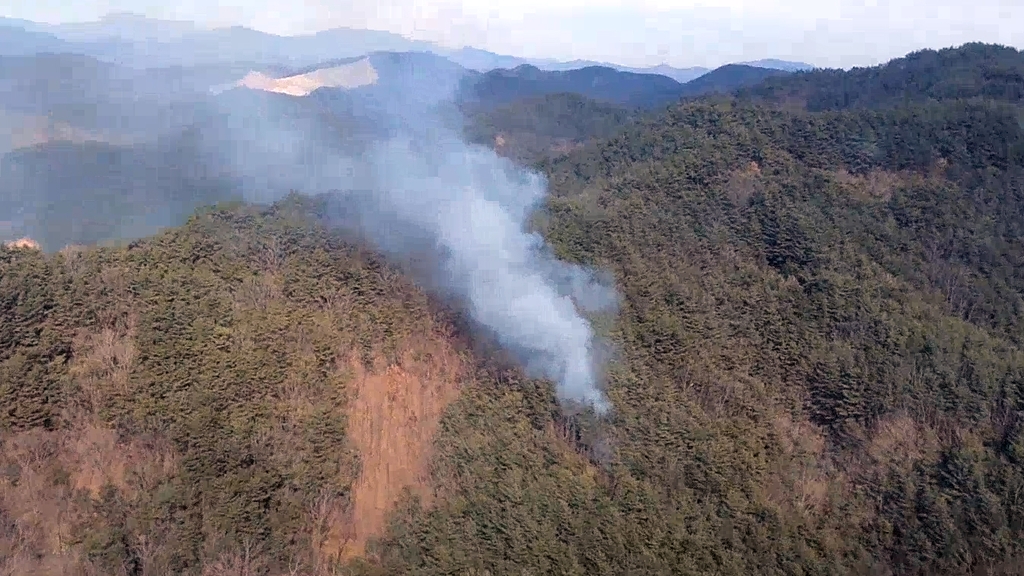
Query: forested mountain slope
point(540, 126)
point(851, 281)
point(498, 87)
point(972, 70)
point(544, 126)
point(818, 368)
point(192, 403)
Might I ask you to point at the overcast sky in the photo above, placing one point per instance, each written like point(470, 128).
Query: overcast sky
point(839, 33)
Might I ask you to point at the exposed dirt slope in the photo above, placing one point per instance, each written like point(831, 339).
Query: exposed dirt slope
point(393, 417)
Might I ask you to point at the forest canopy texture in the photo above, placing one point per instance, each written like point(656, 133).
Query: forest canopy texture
point(819, 362)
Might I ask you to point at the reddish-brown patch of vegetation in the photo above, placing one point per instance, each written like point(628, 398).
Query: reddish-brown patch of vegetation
point(875, 185)
point(744, 183)
point(393, 414)
point(804, 481)
point(49, 479)
point(901, 442)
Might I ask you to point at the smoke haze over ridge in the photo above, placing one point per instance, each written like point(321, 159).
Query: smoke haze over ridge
point(399, 174)
point(422, 189)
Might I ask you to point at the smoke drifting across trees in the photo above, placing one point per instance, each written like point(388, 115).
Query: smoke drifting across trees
point(422, 191)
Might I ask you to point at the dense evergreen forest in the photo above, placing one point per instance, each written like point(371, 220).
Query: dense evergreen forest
point(985, 71)
point(820, 363)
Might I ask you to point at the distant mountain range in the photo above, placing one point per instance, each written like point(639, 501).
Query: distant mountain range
point(51, 96)
point(502, 86)
point(106, 107)
point(74, 121)
point(776, 64)
point(482, 60)
point(435, 78)
point(145, 42)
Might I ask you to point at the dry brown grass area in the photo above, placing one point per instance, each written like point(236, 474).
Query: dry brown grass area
point(394, 413)
point(875, 185)
point(804, 480)
point(48, 477)
point(744, 182)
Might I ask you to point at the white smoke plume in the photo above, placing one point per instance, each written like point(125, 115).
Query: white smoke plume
point(390, 154)
point(422, 189)
point(472, 207)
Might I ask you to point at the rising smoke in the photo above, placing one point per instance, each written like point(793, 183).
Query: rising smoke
point(421, 189)
point(400, 175)
point(472, 208)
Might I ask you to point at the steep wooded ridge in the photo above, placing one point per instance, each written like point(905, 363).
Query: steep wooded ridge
point(974, 70)
point(820, 366)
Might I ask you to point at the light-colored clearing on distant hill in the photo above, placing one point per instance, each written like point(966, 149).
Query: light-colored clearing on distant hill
point(353, 75)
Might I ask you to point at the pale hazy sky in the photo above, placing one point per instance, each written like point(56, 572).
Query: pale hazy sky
point(839, 33)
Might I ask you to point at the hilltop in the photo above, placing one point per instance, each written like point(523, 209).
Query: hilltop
point(729, 78)
point(627, 89)
point(116, 338)
point(505, 86)
point(539, 127)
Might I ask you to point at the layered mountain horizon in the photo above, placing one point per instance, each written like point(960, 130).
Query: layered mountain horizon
point(139, 41)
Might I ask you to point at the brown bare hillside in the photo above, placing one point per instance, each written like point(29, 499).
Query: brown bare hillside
point(393, 415)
